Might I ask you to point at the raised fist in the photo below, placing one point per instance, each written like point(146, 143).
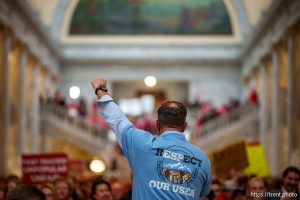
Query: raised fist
point(98, 81)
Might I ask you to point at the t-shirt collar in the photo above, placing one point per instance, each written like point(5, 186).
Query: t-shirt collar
point(176, 134)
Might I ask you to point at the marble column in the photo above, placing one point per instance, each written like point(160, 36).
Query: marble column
point(5, 41)
point(2, 85)
point(53, 85)
point(22, 100)
point(7, 102)
point(263, 115)
point(275, 122)
point(47, 86)
point(36, 110)
point(296, 74)
point(14, 161)
point(45, 90)
point(46, 141)
point(293, 91)
point(290, 92)
point(282, 106)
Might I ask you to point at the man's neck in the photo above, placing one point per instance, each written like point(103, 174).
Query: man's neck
point(164, 129)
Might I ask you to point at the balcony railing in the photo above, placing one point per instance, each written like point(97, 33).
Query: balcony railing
point(218, 124)
point(78, 127)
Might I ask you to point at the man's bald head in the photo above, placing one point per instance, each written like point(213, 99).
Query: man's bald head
point(172, 114)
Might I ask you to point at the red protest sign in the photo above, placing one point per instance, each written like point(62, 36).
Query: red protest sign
point(43, 168)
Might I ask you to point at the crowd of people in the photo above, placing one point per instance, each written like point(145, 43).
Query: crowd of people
point(207, 112)
point(79, 108)
point(239, 187)
point(243, 187)
point(90, 113)
point(67, 189)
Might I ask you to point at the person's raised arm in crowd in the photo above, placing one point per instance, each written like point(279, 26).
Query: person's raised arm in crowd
point(109, 109)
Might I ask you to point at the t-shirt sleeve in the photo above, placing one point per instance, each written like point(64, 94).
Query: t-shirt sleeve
point(113, 115)
point(134, 142)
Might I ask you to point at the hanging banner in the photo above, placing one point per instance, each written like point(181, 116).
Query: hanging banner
point(44, 168)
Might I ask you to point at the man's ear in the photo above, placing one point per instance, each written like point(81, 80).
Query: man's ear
point(184, 126)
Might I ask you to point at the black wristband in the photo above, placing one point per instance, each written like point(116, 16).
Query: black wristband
point(101, 87)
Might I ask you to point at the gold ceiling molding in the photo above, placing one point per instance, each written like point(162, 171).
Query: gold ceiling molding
point(235, 38)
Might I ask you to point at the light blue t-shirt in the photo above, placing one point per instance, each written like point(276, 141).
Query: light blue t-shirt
point(163, 167)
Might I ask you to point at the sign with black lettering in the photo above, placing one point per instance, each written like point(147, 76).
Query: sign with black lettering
point(43, 168)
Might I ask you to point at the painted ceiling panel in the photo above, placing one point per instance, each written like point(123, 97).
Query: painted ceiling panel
point(150, 17)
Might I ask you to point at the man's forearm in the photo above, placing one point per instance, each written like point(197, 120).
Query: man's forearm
point(113, 115)
point(109, 109)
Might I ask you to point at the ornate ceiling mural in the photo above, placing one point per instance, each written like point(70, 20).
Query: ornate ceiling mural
point(150, 17)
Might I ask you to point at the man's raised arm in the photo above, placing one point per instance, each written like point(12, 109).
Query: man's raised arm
point(109, 109)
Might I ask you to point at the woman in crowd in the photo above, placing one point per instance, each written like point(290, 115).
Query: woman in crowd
point(49, 191)
point(12, 182)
